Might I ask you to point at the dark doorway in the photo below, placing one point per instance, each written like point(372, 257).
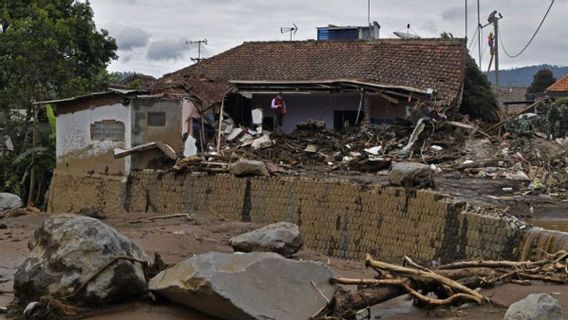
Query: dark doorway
point(239, 108)
point(268, 123)
point(341, 118)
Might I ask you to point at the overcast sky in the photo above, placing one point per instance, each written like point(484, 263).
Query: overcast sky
point(151, 34)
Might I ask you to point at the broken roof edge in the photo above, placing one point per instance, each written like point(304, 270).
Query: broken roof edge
point(92, 95)
point(337, 81)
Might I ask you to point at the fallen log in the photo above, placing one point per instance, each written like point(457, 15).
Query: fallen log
point(419, 275)
point(492, 264)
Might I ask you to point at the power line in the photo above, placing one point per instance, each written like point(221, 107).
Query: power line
point(532, 38)
point(472, 42)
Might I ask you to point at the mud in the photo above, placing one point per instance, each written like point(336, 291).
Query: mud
point(178, 238)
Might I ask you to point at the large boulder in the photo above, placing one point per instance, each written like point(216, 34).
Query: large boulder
point(9, 201)
point(283, 238)
point(247, 286)
point(81, 259)
point(538, 306)
point(246, 168)
point(411, 175)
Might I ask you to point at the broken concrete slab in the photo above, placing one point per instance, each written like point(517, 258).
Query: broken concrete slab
point(236, 133)
point(539, 306)
point(311, 148)
point(247, 168)
point(82, 260)
point(283, 238)
point(262, 142)
point(9, 201)
point(374, 150)
point(411, 175)
point(247, 286)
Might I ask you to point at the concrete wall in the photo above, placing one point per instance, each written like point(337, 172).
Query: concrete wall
point(78, 153)
point(338, 218)
point(171, 133)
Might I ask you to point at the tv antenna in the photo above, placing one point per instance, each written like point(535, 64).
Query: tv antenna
point(407, 34)
point(291, 30)
point(199, 44)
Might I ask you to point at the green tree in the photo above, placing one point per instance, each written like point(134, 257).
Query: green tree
point(48, 49)
point(542, 79)
point(479, 101)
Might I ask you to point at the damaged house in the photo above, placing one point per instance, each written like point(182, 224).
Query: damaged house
point(96, 132)
point(341, 82)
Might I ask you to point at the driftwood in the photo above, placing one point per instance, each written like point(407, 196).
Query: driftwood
point(448, 285)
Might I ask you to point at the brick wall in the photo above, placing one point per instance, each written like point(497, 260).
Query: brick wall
point(338, 218)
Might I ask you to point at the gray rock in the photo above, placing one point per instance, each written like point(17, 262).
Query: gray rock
point(247, 168)
point(247, 286)
point(283, 238)
point(9, 201)
point(68, 250)
point(538, 306)
point(411, 175)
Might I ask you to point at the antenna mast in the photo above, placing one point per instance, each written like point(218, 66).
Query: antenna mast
point(199, 44)
point(291, 30)
point(369, 12)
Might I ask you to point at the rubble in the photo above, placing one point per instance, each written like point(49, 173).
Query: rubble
point(9, 201)
point(247, 286)
point(283, 238)
point(262, 142)
point(540, 306)
point(411, 175)
point(82, 260)
point(247, 168)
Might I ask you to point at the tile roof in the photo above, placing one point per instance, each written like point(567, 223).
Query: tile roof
point(438, 64)
point(207, 91)
point(560, 85)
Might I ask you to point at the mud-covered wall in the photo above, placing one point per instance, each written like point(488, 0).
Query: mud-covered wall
point(79, 153)
point(338, 218)
point(71, 193)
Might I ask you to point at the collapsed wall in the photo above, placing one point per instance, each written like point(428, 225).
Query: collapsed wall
point(338, 218)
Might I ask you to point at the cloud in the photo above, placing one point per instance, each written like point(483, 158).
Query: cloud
point(228, 23)
point(168, 49)
point(128, 37)
point(453, 14)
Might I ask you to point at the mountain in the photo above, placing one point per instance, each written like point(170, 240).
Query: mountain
point(523, 77)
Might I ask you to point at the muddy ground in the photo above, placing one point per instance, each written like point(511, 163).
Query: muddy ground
point(178, 238)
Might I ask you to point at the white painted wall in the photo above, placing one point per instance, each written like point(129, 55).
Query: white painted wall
point(74, 131)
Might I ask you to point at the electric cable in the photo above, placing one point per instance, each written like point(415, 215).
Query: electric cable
point(532, 38)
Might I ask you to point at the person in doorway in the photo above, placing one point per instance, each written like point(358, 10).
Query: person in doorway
point(279, 109)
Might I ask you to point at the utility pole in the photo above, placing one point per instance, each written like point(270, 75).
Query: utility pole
point(466, 23)
point(199, 44)
point(494, 18)
point(496, 26)
point(479, 32)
